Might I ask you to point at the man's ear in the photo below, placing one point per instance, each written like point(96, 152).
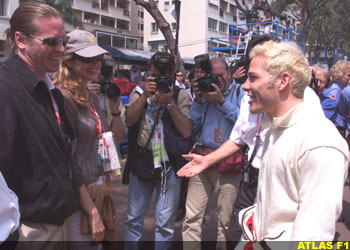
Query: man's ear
point(283, 81)
point(20, 40)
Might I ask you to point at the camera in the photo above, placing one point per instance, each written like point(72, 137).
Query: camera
point(235, 65)
point(110, 89)
point(204, 82)
point(107, 87)
point(314, 83)
point(165, 63)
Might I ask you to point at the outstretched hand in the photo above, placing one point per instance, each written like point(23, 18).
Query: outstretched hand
point(196, 166)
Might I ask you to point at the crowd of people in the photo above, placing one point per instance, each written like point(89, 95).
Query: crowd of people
point(272, 150)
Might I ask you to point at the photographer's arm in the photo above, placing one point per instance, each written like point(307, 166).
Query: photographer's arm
point(117, 125)
point(134, 111)
point(183, 124)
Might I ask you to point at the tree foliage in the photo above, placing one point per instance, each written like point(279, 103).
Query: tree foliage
point(65, 9)
point(324, 23)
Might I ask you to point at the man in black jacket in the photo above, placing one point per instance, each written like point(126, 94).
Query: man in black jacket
point(35, 134)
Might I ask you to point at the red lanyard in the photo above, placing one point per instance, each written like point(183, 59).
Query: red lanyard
point(55, 107)
point(93, 112)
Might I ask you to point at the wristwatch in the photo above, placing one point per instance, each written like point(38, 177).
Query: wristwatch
point(170, 105)
point(116, 114)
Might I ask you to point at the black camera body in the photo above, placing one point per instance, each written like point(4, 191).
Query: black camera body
point(314, 83)
point(235, 65)
point(163, 83)
point(204, 83)
point(165, 63)
point(110, 89)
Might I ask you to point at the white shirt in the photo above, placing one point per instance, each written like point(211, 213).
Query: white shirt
point(246, 127)
point(9, 211)
point(180, 84)
point(301, 177)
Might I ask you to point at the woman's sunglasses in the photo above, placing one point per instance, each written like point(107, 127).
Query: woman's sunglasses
point(50, 41)
point(89, 59)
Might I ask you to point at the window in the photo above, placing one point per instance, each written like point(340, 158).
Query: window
point(121, 24)
point(212, 23)
point(173, 26)
point(2, 48)
point(131, 43)
point(3, 8)
point(107, 22)
point(154, 28)
point(112, 2)
point(103, 39)
point(165, 5)
point(121, 5)
point(140, 13)
point(95, 4)
point(140, 26)
point(222, 27)
point(118, 41)
point(141, 39)
point(154, 48)
point(104, 5)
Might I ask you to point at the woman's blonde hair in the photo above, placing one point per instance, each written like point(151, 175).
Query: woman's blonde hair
point(66, 78)
point(339, 69)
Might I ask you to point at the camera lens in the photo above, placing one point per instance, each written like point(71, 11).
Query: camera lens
point(110, 89)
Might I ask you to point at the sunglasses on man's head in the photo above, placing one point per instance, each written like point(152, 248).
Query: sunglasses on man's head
point(89, 59)
point(50, 41)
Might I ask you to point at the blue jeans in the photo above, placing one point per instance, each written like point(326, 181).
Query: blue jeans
point(139, 196)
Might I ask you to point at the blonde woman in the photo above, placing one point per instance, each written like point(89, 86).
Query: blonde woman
point(80, 65)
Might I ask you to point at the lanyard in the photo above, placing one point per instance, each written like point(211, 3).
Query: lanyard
point(93, 112)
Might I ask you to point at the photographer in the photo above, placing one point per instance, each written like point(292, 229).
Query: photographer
point(156, 115)
point(330, 97)
point(320, 78)
point(214, 113)
point(105, 90)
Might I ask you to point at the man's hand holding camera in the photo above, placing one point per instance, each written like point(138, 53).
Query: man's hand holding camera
point(197, 93)
point(215, 96)
point(150, 87)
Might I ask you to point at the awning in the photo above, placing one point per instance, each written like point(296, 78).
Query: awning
point(128, 56)
point(140, 57)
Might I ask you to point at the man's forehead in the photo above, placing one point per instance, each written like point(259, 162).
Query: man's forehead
point(41, 24)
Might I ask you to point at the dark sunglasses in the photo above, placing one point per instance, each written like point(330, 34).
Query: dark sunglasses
point(50, 41)
point(89, 59)
point(178, 75)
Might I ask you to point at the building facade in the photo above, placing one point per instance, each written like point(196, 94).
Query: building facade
point(199, 21)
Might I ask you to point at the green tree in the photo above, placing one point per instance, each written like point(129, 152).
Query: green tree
point(302, 10)
point(65, 9)
point(330, 28)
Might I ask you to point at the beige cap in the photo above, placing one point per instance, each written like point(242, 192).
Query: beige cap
point(84, 44)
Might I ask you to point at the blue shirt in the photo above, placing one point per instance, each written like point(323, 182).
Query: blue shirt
point(218, 116)
point(330, 100)
point(343, 114)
